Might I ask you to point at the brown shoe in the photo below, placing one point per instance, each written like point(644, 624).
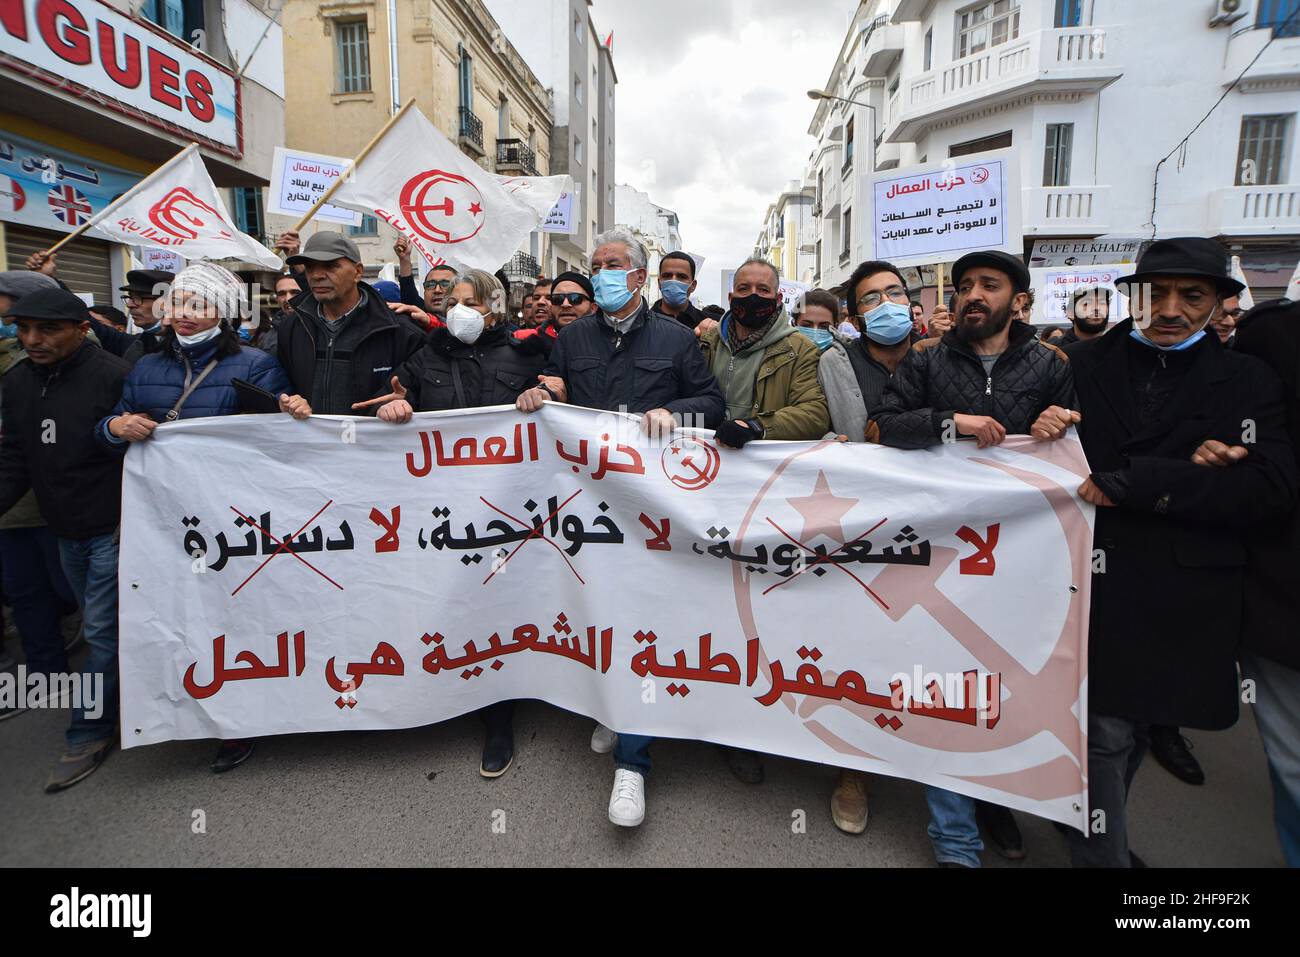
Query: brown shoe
point(77, 765)
point(849, 802)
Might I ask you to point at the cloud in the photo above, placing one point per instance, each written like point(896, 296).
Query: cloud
point(712, 112)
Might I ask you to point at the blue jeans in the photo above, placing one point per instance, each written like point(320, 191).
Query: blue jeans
point(91, 567)
point(632, 753)
point(36, 589)
point(1116, 747)
point(954, 833)
point(1277, 713)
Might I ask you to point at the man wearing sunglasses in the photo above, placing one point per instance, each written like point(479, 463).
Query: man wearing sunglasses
point(571, 298)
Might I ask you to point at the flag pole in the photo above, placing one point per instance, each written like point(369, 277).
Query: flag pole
point(148, 180)
point(939, 281)
point(324, 198)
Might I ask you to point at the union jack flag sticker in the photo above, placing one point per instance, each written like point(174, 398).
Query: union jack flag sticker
point(69, 205)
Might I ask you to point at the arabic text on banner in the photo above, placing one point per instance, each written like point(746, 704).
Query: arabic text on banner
point(920, 614)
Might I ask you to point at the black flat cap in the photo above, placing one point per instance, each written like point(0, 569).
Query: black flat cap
point(50, 304)
point(1013, 266)
point(1185, 256)
point(145, 282)
point(325, 247)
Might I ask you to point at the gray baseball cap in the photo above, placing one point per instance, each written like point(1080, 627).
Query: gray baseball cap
point(325, 247)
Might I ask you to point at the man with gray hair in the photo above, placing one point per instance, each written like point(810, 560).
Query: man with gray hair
point(626, 357)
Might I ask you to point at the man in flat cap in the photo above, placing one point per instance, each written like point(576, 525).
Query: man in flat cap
point(52, 402)
point(985, 378)
point(341, 342)
point(1155, 391)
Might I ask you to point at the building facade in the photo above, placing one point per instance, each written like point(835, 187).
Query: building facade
point(658, 228)
point(95, 95)
point(1081, 90)
point(788, 239)
point(352, 63)
point(559, 41)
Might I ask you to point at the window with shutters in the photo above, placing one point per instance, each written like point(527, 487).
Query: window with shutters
point(999, 141)
point(986, 25)
point(1263, 149)
point(1069, 13)
point(248, 211)
point(352, 56)
point(1280, 16)
point(369, 226)
point(1056, 158)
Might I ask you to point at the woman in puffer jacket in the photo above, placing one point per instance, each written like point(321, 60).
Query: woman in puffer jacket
point(190, 377)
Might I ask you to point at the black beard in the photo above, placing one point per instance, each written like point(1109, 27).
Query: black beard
point(1091, 326)
point(986, 327)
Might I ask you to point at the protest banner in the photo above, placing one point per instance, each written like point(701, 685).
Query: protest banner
point(914, 613)
point(1054, 286)
point(560, 218)
point(299, 178)
point(938, 212)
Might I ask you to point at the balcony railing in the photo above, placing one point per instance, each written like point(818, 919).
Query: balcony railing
point(522, 266)
point(471, 127)
point(1256, 210)
point(1074, 58)
point(877, 24)
point(516, 155)
point(1064, 210)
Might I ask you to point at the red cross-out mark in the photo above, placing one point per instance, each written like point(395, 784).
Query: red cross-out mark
point(283, 547)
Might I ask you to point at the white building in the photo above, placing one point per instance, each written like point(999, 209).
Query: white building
point(788, 239)
point(559, 42)
point(657, 227)
point(1092, 94)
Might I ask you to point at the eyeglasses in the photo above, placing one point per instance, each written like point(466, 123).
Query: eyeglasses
point(873, 299)
point(572, 298)
point(437, 284)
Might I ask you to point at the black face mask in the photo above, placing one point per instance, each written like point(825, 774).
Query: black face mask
point(754, 310)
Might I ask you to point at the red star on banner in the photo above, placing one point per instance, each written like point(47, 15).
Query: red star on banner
point(475, 208)
point(822, 512)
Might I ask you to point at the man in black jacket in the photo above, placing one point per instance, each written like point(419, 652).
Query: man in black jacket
point(676, 283)
point(1166, 613)
point(342, 342)
point(985, 378)
point(1270, 652)
point(52, 403)
point(628, 358)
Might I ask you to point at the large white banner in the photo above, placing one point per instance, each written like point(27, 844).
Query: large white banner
point(914, 613)
point(938, 213)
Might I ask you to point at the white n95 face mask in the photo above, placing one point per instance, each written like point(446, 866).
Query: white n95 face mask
point(465, 323)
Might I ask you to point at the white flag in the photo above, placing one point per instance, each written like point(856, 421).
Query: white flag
point(177, 207)
point(1293, 286)
point(448, 206)
point(1244, 299)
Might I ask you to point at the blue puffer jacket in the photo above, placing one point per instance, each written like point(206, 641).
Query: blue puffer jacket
point(157, 380)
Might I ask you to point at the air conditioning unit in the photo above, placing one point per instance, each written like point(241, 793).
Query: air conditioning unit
point(1229, 11)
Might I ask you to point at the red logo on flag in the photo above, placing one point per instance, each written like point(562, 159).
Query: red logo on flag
point(442, 207)
point(980, 174)
point(182, 214)
point(69, 205)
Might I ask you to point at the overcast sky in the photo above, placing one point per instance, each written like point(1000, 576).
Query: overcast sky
point(712, 113)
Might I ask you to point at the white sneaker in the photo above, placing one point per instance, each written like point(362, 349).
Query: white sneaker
point(602, 739)
point(627, 800)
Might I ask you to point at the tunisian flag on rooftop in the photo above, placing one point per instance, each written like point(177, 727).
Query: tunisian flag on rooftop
point(178, 207)
point(450, 208)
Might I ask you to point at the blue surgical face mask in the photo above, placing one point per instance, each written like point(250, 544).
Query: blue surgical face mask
point(888, 324)
point(611, 289)
point(9, 331)
point(674, 291)
point(821, 338)
point(1187, 343)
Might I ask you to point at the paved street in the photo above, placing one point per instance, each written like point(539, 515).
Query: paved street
point(413, 798)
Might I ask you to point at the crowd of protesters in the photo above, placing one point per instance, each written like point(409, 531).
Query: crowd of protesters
point(1188, 411)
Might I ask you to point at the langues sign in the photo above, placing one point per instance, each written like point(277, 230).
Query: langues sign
point(847, 604)
point(130, 66)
